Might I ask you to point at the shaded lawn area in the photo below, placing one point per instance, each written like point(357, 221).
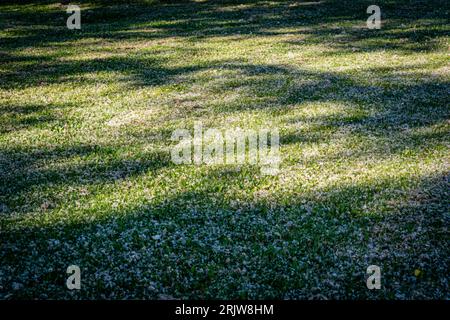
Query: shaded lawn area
point(86, 177)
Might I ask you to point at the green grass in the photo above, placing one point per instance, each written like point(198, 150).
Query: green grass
point(86, 177)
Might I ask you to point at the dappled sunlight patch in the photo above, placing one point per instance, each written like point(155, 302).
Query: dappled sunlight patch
point(134, 118)
point(315, 111)
point(379, 174)
point(442, 72)
point(89, 56)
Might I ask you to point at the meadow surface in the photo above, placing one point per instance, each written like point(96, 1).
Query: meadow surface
point(86, 177)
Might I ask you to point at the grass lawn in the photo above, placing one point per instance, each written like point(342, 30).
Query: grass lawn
point(86, 177)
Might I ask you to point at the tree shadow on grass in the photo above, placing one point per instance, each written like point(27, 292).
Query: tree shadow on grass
point(219, 18)
point(210, 249)
point(25, 171)
point(15, 117)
